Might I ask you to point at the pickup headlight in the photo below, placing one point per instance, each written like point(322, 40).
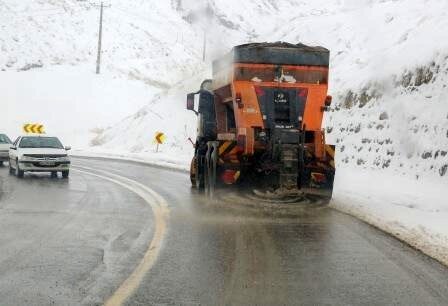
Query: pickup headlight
point(26, 158)
point(63, 159)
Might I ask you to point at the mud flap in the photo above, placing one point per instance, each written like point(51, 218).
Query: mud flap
point(322, 174)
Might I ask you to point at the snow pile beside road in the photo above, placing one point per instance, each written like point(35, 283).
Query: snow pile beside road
point(412, 210)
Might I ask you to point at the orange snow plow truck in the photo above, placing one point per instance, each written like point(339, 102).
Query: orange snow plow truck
point(260, 120)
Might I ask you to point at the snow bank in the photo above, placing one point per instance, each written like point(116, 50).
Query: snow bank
point(149, 158)
point(414, 211)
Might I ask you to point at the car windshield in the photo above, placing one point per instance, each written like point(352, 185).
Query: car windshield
point(4, 139)
point(40, 142)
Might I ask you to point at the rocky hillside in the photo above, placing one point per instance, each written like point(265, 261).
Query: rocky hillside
point(399, 123)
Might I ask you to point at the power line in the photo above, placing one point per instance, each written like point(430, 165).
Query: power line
point(130, 14)
point(27, 14)
point(144, 20)
point(38, 10)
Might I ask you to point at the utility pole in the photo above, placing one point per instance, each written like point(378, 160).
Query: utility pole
point(100, 36)
point(208, 13)
point(204, 46)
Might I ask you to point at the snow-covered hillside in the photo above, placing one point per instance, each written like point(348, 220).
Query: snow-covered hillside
point(389, 76)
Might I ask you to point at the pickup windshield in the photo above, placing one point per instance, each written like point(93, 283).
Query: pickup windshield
point(40, 142)
point(4, 139)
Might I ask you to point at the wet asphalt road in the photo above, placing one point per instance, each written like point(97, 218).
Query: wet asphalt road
point(74, 243)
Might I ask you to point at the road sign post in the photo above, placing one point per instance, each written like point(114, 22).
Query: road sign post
point(159, 138)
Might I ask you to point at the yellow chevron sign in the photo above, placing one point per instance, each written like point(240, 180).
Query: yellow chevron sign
point(159, 138)
point(33, 128)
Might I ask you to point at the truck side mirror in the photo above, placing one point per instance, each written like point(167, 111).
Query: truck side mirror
point(190, 102)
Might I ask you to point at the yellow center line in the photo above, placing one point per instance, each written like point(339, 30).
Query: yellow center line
point(161, 214)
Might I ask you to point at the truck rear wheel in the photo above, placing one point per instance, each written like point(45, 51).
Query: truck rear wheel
point(199, 172)
point(193, 172)
point(211, 167)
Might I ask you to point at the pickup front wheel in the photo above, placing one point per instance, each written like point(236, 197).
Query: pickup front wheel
point(19, 173)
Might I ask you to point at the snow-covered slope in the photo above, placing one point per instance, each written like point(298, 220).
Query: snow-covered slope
point(389, 71)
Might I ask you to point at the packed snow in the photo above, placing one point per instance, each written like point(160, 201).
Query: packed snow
point(389, 76)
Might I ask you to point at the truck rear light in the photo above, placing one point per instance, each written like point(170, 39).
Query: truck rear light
point(302, 92)
point(328, 100)
point(259, 91)
point(230, 176)
point(239, 100)
point(318, 177)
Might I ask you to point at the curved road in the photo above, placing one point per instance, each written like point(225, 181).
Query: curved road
point(125, 233)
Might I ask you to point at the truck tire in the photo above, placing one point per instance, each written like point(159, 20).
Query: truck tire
point(206, 173)
point(65, 174)
point(211, 167)
point(1, 163)
point(193, 172)
point(200, 173)
point(212, 171)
